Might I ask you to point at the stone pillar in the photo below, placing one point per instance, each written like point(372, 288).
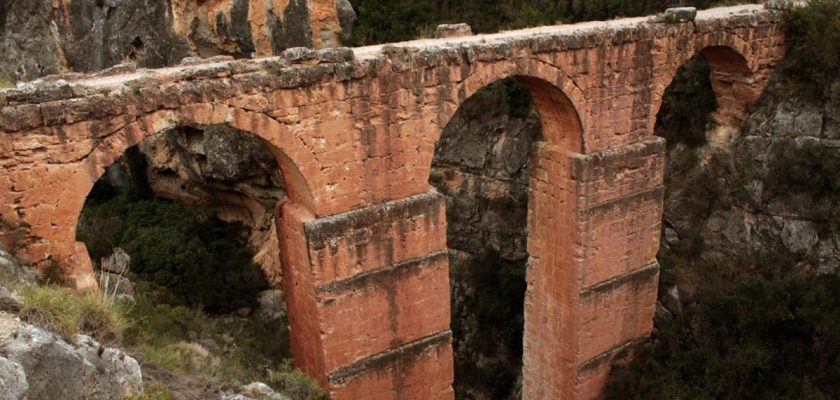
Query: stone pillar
point(368, 298)
point(594, 224)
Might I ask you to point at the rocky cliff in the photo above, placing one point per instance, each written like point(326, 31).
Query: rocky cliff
point(770, 189)
point(42, 37)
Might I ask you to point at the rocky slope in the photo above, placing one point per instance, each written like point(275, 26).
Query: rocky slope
point(38, 364)
point(42, 37)
point(768, 189)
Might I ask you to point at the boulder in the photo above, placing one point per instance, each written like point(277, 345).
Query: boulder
point(671, 300)
point(8, 301)
point(679, 14)
point(799, 236)
point(13, 383)
point(453, 30)
point(11, 270)
point(55, 369)
point(116, 263)
point(272, 306)
point(115, 285)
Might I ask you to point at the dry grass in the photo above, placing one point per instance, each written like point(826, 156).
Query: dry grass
point(66, 312)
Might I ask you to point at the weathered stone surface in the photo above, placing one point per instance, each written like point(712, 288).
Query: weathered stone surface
point(117, 263)
point(12, 270)
point(13, 383)
point(346, 18)
point(679, 14)
point(754, 210)
point(9, 302)
point(41, 37)
point(115, 285)
point(355, 144)
point(55, 369)
point(453, 30)
point(272, 306)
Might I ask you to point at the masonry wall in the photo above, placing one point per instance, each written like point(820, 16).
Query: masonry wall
point(354, 133)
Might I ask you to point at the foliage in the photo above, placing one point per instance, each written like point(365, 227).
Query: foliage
point(166, 332)
point(813, 40)
point(203, 260)
point(296, 384)
point(66, 312)
point(805, 167)
point(153, 391)
point(687, 104)
point(767, 332)
point(382, 21)
point(497, 305)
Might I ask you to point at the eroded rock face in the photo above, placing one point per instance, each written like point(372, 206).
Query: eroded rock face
point(55, 369)
point(42, 37)
point(13, 383)
point(766, 189)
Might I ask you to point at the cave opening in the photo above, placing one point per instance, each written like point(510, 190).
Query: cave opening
point(481, 165)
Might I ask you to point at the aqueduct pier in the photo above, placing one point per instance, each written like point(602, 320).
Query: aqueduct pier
point(363, 234)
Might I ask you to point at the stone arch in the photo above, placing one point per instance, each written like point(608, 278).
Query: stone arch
point(562, 115)
point(737, 79)
point(558, 98)
point(292, 157)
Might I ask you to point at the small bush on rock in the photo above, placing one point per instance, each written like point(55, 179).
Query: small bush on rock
point(813, 40)
point(771, 332)
point(808, 167)
point(296, 384)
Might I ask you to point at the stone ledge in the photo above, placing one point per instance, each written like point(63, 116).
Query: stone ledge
point(608, 355)
point(656, 193)
point(411, 351)
point(320, 231)
point(380, 275)
point(641, 274)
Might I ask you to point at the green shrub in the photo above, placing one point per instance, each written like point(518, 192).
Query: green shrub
point(813, 41)
point(154, 391)
point(296, 384)
point(382, 21)
point(807, 167)
point(496, 304)
point(768, 332)
point(202, 260)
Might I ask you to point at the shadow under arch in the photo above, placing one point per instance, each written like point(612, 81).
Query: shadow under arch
point(522, 205)
point(737, 80)
point(275, 136)
point(559, 100)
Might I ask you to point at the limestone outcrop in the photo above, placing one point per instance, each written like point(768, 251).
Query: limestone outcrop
point(36, 364)
point(42, 37)
point(757, 197)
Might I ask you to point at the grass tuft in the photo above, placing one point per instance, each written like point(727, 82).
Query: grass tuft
point(67, 313)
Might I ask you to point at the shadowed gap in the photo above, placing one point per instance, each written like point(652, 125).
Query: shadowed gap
point(482, 166)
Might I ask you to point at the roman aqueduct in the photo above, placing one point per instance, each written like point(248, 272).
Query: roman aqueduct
point(363, 234)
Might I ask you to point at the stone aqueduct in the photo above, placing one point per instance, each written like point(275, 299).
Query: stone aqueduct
point(363, 234)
